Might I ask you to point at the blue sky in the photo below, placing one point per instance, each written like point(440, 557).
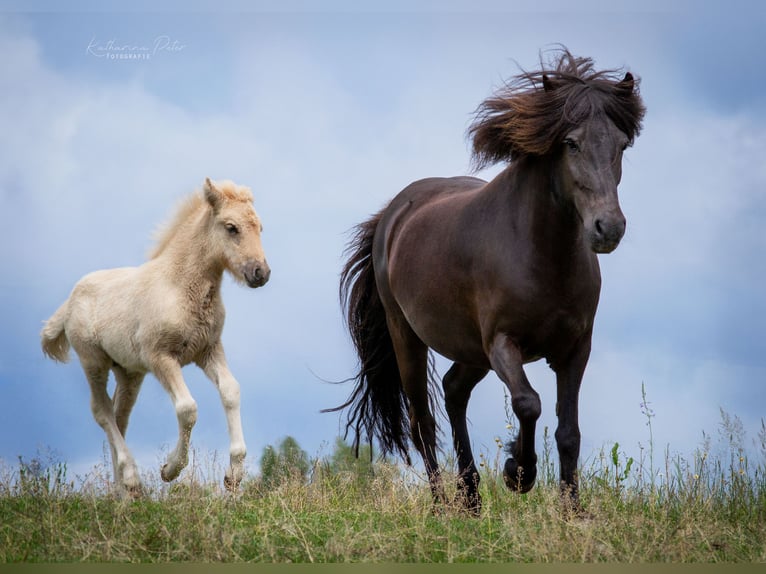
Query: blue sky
point(326, 114)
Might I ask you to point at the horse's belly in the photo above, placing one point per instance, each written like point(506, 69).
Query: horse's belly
point(125, 355)
point(447, 331)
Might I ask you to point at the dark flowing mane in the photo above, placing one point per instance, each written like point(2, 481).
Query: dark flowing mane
point(535, 110)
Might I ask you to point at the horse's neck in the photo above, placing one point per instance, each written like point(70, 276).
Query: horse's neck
point(526, 196)
point(188, 262)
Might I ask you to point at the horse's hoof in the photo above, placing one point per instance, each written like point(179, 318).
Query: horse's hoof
point(468, 498)
point(469, 503)
point(571, 507)
point(167, 474)
point(133, 492)
point(517, 478)
point(231, 484)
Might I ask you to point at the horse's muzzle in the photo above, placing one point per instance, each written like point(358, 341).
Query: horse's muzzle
point(257, 275)
point(607, 233)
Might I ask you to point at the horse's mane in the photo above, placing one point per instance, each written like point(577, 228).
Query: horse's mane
point(225, 190)
point(186, 208)
point(535, 110)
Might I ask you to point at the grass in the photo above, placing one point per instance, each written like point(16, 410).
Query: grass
point(709, 509)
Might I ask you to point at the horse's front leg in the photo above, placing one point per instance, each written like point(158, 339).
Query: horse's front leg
point(506, 359)
point(168, 372)
point(568, 378)
point(217, 370)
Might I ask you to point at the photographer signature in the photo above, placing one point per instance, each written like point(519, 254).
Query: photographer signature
point(114, 50)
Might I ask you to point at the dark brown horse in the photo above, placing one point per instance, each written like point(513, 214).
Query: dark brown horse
point(494, 275)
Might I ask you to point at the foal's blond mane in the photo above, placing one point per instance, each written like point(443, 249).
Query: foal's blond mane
point(226, 191)
point(186, 209)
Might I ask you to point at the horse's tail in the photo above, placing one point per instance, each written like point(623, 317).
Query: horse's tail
point(377, 405)
point(53, 336)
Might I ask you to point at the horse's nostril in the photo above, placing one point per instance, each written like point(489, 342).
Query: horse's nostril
point(599, 227)
point(259, 275)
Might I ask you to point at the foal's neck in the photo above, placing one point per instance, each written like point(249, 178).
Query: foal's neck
point(189, 260)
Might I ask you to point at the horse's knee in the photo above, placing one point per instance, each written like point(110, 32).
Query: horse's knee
point(527, 407)
point(186, 411)
point(568, 440)
point(230, 395)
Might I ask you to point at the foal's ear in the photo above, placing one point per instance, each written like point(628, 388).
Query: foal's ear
point(212, 194)
point(626, 85)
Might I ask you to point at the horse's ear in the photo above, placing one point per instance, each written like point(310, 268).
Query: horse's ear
point(626, 85)
point(212, 194)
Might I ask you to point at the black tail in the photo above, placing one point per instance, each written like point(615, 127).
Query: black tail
point(377, 405)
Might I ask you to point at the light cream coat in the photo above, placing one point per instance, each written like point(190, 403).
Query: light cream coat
point(161, 316)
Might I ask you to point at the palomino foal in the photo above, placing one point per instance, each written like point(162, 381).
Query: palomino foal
point(161, 316)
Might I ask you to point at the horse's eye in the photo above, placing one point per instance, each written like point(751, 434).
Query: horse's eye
point(232, 229)
point(571, 144)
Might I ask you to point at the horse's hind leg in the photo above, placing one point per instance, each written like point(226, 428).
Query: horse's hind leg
point(412, 359)
point(168, 372)
point(125, 395)
point(125, 469)
point(217, 370)
point(458, 383)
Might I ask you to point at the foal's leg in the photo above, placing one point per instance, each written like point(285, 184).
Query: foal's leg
point(458, 383)
point(125, 395)
point(217, 370)
point(125, 469)
point(568, 379)
point(412, 359)
point(168, 371)
point(521, 469)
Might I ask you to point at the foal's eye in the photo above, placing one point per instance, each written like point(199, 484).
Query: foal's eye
point(232, 229)
point(571, 144)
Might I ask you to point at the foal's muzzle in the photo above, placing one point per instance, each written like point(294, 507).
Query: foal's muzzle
point(257, 274)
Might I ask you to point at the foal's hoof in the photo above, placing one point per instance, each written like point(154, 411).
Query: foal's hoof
point(133, 492)
point(169, 473)
point(231, 484)
point(517, 478)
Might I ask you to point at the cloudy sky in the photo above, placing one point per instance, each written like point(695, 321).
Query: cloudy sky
point(327, 114)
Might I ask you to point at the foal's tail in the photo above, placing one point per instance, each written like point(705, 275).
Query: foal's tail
point(377, 405)
point(53, 337)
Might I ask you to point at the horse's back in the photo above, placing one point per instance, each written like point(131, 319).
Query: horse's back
point(101, 305)
point(432, 188)
point(438, 199)
point(105, 291)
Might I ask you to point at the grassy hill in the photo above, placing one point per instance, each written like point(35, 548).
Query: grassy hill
point(704, 510)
